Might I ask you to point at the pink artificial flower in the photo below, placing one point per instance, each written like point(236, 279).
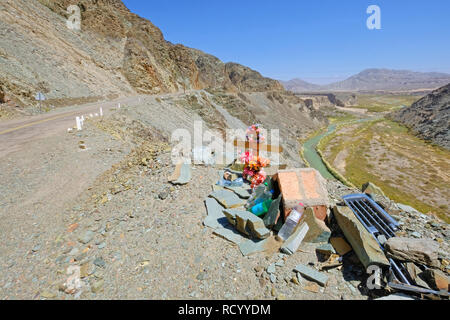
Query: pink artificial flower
point(246, 157)
point(258, 179)
point(248, 172)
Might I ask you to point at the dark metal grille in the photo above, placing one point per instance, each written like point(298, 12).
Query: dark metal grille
point(379, 223)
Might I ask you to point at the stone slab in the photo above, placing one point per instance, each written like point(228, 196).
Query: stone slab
point(318, 230)
point(240, 192)
point(230, 235)
point(230, 214)
point(362, 242)
point(251, 247)
point(216, 218)
point(422, 251)
point(228, 199)
point(326, 249)
point(312, 274)
point(249, 224)
point(272, 216)
point(340, 245)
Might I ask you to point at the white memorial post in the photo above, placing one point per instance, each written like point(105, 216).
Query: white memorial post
point(79, 124)
point(40, 97)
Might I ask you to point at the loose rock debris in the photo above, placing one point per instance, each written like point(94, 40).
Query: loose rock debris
point(339, 236)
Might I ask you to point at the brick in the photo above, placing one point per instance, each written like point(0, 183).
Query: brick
point(306, 186)
point(312, 275)
point(320, 212)
point(362, 242)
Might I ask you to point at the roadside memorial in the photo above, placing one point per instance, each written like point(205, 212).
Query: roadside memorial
point(291, 211)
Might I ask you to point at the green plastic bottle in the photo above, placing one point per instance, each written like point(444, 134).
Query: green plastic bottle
point(262, 208)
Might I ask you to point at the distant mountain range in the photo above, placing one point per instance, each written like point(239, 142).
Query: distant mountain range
point(377, 80)
point(299, 85)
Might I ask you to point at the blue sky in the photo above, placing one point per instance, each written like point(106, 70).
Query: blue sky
point(320, 41)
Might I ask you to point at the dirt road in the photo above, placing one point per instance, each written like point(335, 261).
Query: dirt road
point(15, 134)
point(43, 170)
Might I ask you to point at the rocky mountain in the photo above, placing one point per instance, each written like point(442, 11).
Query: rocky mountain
point(429, 117)
point(299, 85)
point(391, 80)
point(378, 80)
point(115, 53)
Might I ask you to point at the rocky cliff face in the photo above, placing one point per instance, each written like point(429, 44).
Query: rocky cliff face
point(115, 53)
point(429, 117)
point(246, 79)
point(321, 100)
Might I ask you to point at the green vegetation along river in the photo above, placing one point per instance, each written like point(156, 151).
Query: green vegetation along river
point(313, 158)
point(310, 148)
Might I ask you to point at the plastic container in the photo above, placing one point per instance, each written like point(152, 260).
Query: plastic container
point(258, 192)
point(262, 208)
point(291, 223)
point(263, 197)
point(236, 183)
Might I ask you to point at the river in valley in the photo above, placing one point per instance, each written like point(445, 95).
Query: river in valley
point(312, 156)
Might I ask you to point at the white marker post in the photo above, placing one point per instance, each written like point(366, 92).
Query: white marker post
point(79, 124)
point(40, 97)
point(119, 105)
point(101, 112)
